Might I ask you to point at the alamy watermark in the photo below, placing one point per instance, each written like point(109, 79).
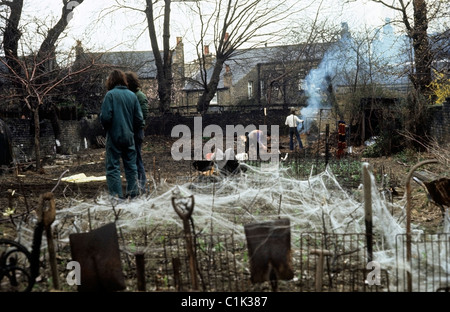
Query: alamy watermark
point(71, 6)
point(183, 149)
point(74, 276)
point(374, 276)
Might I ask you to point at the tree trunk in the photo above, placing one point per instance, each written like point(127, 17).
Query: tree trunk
point(46, 57)
point(37, 142)
point(47, 48)
point(422, 54)
point(211, 87)
point(421, 78)
point(12, 34)
point(163, 63)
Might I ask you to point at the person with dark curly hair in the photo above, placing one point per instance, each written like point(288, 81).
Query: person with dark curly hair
point(135, 86)
point(121, 116)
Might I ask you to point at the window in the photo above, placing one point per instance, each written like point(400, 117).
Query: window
point(301, 83)
point(250, 89)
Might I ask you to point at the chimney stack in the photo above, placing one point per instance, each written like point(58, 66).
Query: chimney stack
point(79, 49)
point(227, 77)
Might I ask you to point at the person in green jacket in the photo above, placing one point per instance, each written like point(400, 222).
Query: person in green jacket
point(121, 116)
point(135, 86)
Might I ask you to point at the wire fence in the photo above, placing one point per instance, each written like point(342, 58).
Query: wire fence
point(428, 267)
point(321, 262)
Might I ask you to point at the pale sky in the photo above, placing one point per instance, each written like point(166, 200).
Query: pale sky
point(119, 31)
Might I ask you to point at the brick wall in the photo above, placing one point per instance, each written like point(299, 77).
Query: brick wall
point(439, 125)
point(73, 133)
point(22, 132)
point(163, 125)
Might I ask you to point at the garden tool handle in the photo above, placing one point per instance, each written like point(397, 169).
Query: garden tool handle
point(186, 213)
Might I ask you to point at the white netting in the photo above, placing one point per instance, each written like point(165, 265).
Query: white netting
point(260, 194)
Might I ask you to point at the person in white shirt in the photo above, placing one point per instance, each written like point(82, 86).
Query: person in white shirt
point(292, 122)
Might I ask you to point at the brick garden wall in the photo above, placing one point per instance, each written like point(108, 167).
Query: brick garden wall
point(74, 132)
point(22, 132)
point(163, 125)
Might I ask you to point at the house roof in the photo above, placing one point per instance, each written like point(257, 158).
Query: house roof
point(245, 60)
point(141, 62)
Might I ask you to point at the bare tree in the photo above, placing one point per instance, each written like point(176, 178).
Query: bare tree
point(12, 33)
point(232, 25)
point(235, 24)
point(37, 87)
point(163, 62)
point(414, 16)
point(311, 38)
point(37, 75)
point(155, 10)
point(48, 46)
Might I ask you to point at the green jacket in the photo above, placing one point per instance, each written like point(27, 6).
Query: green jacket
point(121, 115)
point(144, 103)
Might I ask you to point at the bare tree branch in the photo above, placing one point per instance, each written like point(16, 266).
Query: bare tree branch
point(236, 24)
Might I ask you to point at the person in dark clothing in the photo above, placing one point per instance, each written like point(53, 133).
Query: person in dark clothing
point(135, 86)
point(247, 143)
point(6, 151)
point(121, 116)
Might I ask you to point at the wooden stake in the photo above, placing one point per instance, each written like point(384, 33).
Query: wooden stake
point(319, 267)
point(140, 271)
point(46, 215)
point(368, 210)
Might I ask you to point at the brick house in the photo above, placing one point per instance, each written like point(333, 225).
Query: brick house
point(256, 78)
point(141, 62)
point(253, 78)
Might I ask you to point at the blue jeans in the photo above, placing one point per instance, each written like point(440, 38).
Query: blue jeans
point(293, 131)
point(113, 156)
point(142, 178)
